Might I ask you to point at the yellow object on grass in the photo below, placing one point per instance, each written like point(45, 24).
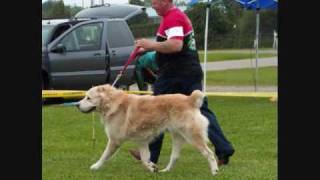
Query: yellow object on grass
point(80, 94)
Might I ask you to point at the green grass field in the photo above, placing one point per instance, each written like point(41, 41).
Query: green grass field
point(249, 123)
point(266, 76)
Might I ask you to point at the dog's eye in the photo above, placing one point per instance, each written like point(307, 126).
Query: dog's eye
point(88, 98)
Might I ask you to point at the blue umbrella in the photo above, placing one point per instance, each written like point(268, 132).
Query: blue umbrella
point(257, 5)
point(191, 2)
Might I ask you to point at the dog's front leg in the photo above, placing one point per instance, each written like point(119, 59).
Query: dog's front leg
point(145, 156)
point(177, 142)
point(111, 148)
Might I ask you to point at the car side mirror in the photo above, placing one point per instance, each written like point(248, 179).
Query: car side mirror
point(60, 48)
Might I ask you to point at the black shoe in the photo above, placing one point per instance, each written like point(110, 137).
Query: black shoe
point(223, 161)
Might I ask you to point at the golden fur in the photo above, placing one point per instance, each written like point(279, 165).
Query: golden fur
point(140, 118)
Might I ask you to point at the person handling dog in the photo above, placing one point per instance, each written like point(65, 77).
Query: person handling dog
point(146, 70)
point(180, 72)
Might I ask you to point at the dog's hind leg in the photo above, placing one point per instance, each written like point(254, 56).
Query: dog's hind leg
point(177, 142)
point(111, 148)
point(198, 141)
point(145, 157)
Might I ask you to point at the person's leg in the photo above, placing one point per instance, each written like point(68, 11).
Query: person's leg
point(223, 147)
point(161, 86)
point(155, 148)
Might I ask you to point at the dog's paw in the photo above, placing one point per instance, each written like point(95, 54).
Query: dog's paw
point(152, 167)
point(214, 172)
point(164, 170)
point(95, 166)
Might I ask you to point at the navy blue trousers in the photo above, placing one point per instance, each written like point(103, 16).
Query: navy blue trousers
point(185, 85)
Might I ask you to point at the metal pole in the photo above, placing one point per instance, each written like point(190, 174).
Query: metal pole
point(92, 2)
point(205, 48)
point(257, 49)
point(102, 2)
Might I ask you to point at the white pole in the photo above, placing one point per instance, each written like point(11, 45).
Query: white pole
point(257, 50)
point(205, 49)
point(275, 40)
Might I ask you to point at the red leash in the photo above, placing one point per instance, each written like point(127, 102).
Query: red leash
point(132, 56)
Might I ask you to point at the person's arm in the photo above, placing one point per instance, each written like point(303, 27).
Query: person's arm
point(139, 76)
point(151, 73)
point(168, 46)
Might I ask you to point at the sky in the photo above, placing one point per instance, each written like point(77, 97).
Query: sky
point(87, 2)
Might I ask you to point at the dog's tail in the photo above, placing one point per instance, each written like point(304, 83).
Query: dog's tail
point(197, 98)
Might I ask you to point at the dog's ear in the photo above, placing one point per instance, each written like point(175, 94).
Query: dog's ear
point(100, 89)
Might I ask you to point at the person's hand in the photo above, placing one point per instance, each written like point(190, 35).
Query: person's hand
point(141, 50)
point(145, 44)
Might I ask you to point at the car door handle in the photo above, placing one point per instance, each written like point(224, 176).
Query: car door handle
point(113, 52)
point(96, 54)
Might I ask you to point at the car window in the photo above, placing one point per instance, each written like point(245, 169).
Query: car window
point(46, 30)
point(58, 31)
point(84, 38)
point(119, 35)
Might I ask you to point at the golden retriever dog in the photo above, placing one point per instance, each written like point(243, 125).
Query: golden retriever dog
point(140, 118)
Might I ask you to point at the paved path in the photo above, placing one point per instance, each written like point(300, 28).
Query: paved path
point(239, 64)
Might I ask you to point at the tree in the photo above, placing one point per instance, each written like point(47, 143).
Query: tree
point(219, 24)
point(247, 27)
point(136, 2)
point(147, 3)
point(179, 2)
point(73, 10)
point(57, 9)
point(142, 18)
point(230, 26)
point(46, 8)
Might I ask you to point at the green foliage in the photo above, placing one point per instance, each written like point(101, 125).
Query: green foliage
point(57, 9)
point(73, 9)
point(147, 3)
point(219, 23)
point(230, 26)
point(136, 2)
point(247, 28)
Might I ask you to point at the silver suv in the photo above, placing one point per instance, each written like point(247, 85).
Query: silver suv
point(89, 49)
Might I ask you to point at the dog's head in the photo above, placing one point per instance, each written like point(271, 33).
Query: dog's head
point(95, 98)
